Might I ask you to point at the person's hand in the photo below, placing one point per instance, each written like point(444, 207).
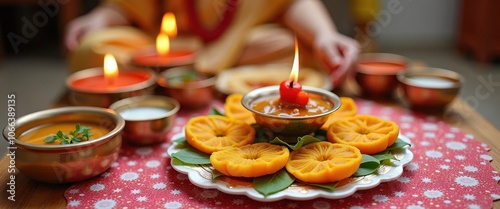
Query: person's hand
point(99, 18)
point(337, 53)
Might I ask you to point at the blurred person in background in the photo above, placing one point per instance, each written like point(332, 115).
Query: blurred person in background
point(229, 33)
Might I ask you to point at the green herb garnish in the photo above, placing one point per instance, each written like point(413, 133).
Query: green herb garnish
point(81, 133)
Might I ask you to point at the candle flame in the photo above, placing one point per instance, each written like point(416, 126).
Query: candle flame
point(110, 69)
point(168, 25)
point(294, 75)
point(162, 44)
point(168, 29)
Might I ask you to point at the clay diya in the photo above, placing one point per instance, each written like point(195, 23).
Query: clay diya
point(161, 57)
point(100, 87)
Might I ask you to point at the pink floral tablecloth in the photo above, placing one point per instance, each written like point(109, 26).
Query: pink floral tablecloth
point(450, 169)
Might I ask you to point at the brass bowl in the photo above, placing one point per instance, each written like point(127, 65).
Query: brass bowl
point(69, 162)
point(191, 94)
point(285, 127)
point(380, 83)
point(106, 97)
point(429, 89)
point(148, 126)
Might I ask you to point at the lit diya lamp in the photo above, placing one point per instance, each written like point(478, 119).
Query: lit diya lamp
point(102, 86)
point(161, 57)
point(291, 110)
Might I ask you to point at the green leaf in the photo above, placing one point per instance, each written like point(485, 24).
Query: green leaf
point(50, 139)
point(320, 134)
point(272, 183)
point(181, 140)
point(262, 134)
point(305, 140)
point(214, 111)
point(216, 174)
point(79, 128)
point(87, 135)
point(382, 157)
point(192, 156)
point(176, 161)
point(398, 144)
point(368, 165)
point(329, 187)
point(80, 134)
point(60, 134)
point(181, 143)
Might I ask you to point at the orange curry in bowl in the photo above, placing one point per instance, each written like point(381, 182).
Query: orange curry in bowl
point(272, 105)
point(38, 134)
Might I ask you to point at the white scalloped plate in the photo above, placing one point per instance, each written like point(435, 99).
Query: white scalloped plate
point(201, 176)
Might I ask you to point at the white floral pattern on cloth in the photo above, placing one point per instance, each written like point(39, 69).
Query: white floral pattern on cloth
point(450, 170)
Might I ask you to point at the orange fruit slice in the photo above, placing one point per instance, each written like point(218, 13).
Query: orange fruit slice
point(252, 160)
point(347, 109)
point(324, 162)
point(370, 134)
point(234, 109)
point(214, 132)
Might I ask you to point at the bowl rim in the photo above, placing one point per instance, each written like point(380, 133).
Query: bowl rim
point(382, 57)
point(162, 77)
point(99, 71)
point(274, 89)
point(132, 102)
point(120, 123)
point(404, 77)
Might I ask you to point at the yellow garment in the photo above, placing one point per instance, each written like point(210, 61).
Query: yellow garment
point(364, 11)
